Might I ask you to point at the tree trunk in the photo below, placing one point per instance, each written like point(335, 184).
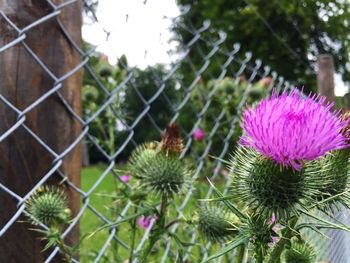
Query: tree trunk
point(22, 81)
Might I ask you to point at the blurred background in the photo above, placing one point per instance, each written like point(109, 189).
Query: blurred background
point(144, 64)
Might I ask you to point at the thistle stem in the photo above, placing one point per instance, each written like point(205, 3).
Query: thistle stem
point(259, 256)
point(239, 257)
point(148, 249)
point(67, 255)
point(133, 227)
point(277, 251)
point(160, 223)
point(163, 206)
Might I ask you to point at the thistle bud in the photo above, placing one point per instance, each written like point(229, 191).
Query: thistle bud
point(216, 223)
point(160, 172)
point(171, 140)
point(300, 252)
point(49, 206)
point(265, 186)
point(330, 174)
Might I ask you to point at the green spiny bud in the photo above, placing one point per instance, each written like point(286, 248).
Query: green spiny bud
point(216, 223)
point(48, 205)
point(260, 230)
point(265, 186)
point(160, 171)
point(331, 174)
point(299, 252)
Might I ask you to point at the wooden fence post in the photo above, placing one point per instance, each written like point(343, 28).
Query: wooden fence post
point(325, 76)
point(23, 160)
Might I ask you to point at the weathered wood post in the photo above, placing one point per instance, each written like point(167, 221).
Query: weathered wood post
point(23, 160)
point(325, 76)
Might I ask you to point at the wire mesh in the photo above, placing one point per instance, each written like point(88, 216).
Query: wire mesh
point(217, 62)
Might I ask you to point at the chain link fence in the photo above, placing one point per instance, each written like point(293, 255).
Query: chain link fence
point(180, 93)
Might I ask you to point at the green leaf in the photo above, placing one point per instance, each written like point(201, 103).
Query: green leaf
point(232, 245)
point(180, 242)
point(330, 224)
point(330, 198)
point(231, 206)
point(228, 197)
point(116, 223)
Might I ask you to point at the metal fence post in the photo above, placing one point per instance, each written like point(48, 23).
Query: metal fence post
point(325, 78)
point(24, 161)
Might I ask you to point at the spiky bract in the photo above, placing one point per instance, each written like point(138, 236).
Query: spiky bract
point(300, 252)
point(261, 233)
point(266, 187)
point(216, 223)
point(49, 206)
point(346, 129)
point(331, 174)
point(162, 172)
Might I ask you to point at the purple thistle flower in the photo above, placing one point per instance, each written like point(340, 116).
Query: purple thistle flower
point(290, 129)
point(198, 134)
point(125, 178)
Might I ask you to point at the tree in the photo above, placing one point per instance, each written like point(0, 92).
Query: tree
point(288, 35)
point(143, 87)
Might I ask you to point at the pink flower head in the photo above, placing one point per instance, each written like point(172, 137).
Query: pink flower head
point(125, 178)
point(145, 221)
point(290, 129)
point(198, 134)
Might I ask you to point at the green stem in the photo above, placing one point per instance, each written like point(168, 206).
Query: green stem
point(148, 249)
point(278, 249)
point(132, 246)
point(66, 253)
point(114, 211)
point(260, 256)
point(160, 224)
point(239, 258)
point(163, 206)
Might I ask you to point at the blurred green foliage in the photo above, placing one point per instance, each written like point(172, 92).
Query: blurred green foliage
point(141, 93)
point(308, 27)
point(226, 96)
point(148, 102)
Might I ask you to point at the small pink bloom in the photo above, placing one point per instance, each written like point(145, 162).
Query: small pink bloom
point(224, 172)
point(273, 219)
point(145, 222)
point(198, 134)
point(277, 228)
point(274, 240)
point(125, 178)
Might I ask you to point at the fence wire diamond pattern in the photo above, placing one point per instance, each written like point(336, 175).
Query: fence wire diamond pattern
point(228, 61)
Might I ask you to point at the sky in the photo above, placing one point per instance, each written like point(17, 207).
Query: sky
point(140, 30)
point(136, 26)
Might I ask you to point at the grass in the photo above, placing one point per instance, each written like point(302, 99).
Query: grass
point(102, 199)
